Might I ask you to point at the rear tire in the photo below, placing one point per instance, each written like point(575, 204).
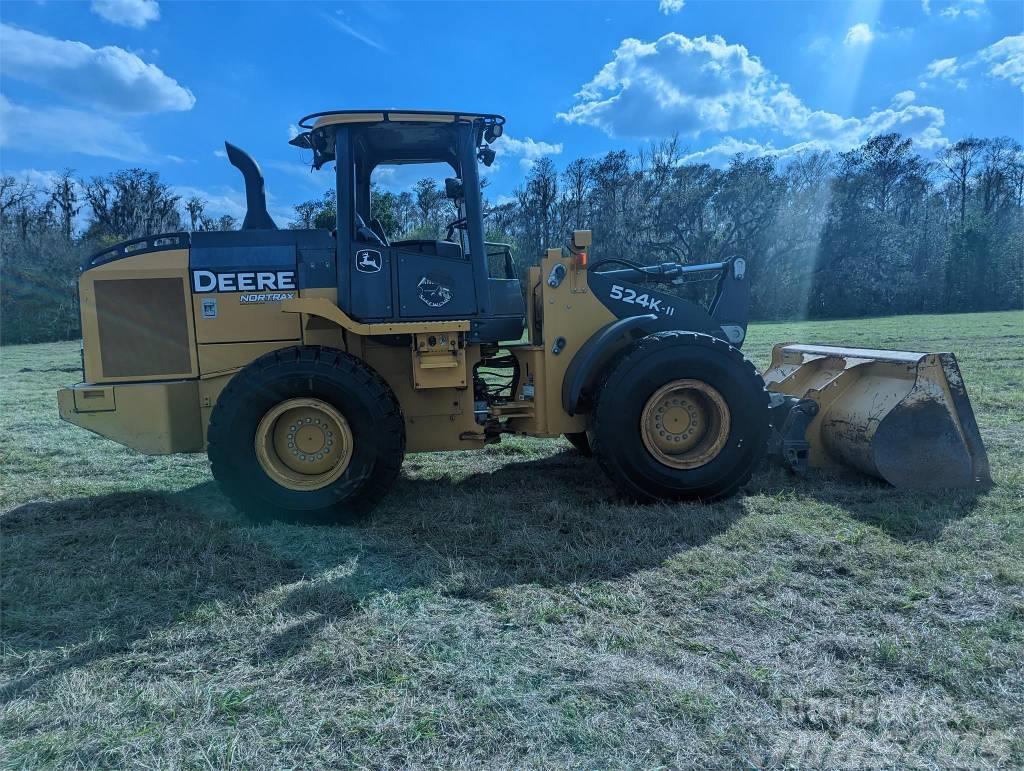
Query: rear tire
point(306, 434)
point(680, 415)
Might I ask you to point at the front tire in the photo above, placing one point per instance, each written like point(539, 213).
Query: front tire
point(306, 434)
point(680, 415)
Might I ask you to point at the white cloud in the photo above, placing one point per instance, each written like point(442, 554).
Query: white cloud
point(127, 13)
point(104, 78)
point(923, 124)
point(903, 98)
point(926, 6)
point(821, 44)
point(1006, 59)
point(68, 131)
point(351, 31)
point(942, 68)
point(671, 6)
point(693, 86)
point(39, 178)
point(293, 131)
point(527, 150)
point(723, 151)
point(225, 200)
point(969, 9)
point(947, 70)
point(859, 35)
point(857, 40)
point(220, 152)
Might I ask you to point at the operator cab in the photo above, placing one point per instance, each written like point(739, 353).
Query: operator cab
point(454, 278)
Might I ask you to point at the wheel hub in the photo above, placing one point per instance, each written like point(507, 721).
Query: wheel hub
point(685, 424)
point(304, 444)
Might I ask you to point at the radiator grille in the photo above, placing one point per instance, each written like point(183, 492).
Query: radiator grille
point(143, 327)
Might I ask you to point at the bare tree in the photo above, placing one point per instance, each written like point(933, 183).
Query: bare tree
point(14, 195)
point(576, 181)
point(995, 177)
point(65, 194)
point(958, 161)
point(196, 209)
point(130, 204)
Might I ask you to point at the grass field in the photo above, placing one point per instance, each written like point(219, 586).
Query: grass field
point(503, 609)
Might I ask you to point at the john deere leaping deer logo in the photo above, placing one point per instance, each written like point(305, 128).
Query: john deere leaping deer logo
point(433, 290)
point(368, 261)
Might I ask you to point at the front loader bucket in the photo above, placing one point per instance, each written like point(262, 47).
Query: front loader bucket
point(901, 416)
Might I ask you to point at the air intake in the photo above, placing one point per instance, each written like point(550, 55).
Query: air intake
point(143, 327)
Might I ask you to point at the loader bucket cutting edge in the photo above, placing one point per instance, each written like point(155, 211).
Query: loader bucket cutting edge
point(899, 415)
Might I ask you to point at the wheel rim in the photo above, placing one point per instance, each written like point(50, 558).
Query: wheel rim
point(685, 424)
point(304, 444)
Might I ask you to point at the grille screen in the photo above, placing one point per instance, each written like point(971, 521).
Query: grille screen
point(143, 328)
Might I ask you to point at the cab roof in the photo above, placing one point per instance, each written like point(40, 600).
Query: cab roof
point(333, 117)
point(395, 136)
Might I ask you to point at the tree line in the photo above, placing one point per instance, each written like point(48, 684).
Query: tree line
point(47, 230)
point(877, 230)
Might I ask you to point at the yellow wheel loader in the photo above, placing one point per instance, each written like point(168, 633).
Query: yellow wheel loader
point(307, 363)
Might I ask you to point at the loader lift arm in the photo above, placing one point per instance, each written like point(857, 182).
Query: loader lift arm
point(729, 309)
point(725, 317)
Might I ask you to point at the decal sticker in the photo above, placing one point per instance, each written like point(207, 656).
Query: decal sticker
point(210, 308)
point(204, 281)
point(369, 261)
point(433, 291)
point(265, 297)
point(647, 301)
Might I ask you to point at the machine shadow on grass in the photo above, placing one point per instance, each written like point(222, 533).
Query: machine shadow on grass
point(95, 576)
point(87, 578)
point(904, 515)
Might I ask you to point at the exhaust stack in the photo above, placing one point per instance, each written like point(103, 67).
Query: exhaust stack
point(256, 215)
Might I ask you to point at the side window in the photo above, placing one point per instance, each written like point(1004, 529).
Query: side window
point(500, 263)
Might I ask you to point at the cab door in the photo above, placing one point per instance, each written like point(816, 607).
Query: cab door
point(370, 287)
point(435, 286)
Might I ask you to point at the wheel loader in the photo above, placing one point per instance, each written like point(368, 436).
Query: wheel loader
point(307, 363)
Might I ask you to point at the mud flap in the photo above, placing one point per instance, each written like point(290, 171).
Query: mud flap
point(898, 415)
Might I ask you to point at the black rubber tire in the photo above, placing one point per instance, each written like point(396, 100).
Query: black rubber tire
point(633, 378)
point(580, 442)
point(347, 383)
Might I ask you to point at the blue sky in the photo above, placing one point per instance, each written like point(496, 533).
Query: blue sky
point(96, 86)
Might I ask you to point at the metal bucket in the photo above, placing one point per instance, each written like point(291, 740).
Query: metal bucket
point(898, 415)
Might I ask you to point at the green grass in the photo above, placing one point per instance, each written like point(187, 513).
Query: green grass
point(503, 609)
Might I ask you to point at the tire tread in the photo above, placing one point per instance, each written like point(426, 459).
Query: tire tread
point(605, 452)
point(311, 361)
